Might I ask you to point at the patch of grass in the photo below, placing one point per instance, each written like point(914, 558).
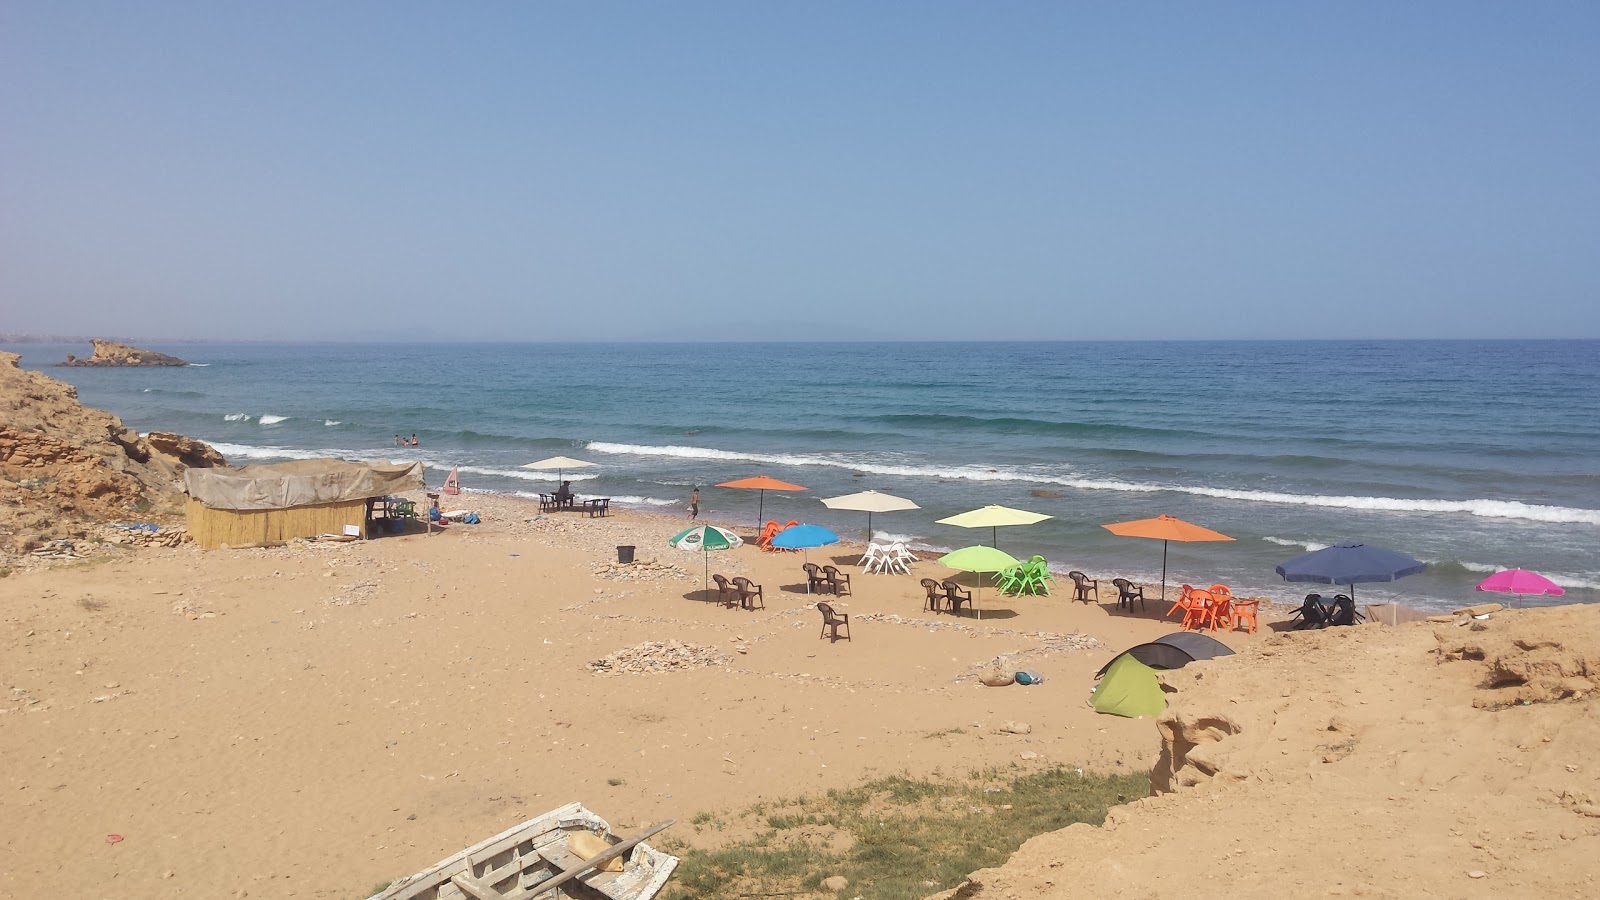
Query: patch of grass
point(91, 604)
point(615, 782)
point(898, 833)
point(378, 888)
point(945, 733)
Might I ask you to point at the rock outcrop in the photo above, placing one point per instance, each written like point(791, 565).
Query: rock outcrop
point(111, 353)
point(66, 468)
point(185, 451)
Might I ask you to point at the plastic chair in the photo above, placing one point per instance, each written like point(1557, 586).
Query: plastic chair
point(955, 595)
point(1183, 600)
point(816, 582)
point(834, 621)
point(749, 594)
point(727, 593)
point(935, 593)
point(1127, 592)
point(1222, 609)
point(1197, 614)
point(1244, 613)
point(837, 580)
point(1082, 583)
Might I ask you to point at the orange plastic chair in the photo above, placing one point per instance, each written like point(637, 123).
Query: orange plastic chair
point(768, 532)
point(1199, 611)
point(1244, 613)
point(1182, 601)
point(1222, 611)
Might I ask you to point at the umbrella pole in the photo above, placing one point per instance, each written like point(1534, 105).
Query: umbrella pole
point(761, 509)
point(1163, 571)
point(869, 526)
point(994, 537)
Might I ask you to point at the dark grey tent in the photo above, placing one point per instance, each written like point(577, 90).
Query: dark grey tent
point(1173, 651)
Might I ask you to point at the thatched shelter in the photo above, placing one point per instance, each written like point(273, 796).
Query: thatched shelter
point(258, 506)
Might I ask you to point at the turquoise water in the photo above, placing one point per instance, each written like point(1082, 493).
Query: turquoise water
point(1471, 455)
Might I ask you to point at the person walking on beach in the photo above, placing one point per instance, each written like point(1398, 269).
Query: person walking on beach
point(694, 503)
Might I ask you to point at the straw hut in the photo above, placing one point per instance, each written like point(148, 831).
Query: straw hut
point(258, 506)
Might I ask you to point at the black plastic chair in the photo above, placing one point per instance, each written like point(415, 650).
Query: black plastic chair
point(1081, 585)
point(749, 594)
point(955, 595)
point(1312, 614)
point(727, 593)
point(816, 582)
point(834, 621)
point(1344, 612)
point(1127, 592)
point(935, 593)
point(838, 580)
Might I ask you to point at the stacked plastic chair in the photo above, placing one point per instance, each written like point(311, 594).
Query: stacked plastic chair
point(1031, 577)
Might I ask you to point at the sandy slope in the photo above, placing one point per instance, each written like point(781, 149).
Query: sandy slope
point(1373, 762)
point(311, 720)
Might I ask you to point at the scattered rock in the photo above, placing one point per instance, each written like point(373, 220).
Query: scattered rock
point(836, 882)
point(658, 656)
point(1016, 728)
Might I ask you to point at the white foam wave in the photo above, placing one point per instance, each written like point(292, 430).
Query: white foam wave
point(271, 419)
point(331, 422)
point(236, 417)
point(621, 501)
point(1494, 509)
point(246, 451)
point(523, 474)
point(199, 365)
point(1309, 546)
point(146, 391)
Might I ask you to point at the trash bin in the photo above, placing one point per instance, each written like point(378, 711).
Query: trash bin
point(624, 553)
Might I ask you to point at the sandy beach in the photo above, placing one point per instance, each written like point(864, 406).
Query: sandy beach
point(313, 719)
point(244, 718)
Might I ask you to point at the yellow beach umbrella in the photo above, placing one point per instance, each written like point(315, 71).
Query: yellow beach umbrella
point(993, 517)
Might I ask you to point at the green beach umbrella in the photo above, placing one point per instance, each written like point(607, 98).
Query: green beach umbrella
point(705, 538)
point(979, 559)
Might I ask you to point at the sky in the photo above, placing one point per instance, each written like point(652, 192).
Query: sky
point(800, 171)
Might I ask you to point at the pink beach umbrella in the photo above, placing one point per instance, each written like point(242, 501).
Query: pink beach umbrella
point(1520, 581)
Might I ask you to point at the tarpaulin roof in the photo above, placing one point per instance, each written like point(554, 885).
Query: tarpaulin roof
point(302, 482)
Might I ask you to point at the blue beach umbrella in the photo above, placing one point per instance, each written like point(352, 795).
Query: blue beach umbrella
point(1351, 564)
point(804, 537)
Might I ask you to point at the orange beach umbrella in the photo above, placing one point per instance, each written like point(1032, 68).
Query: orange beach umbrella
point(1164, 529)
point(763, 484)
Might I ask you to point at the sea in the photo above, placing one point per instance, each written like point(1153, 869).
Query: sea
point(1470, 455)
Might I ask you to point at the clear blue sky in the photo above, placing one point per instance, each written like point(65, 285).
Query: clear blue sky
point(806, 170)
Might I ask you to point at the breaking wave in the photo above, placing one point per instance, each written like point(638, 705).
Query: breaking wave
point(1493, 509)
point(271, 419)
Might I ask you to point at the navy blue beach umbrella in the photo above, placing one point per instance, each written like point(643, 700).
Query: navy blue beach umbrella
point(1351, 564)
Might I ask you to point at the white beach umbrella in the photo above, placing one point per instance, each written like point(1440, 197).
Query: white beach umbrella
point(869, 502)
point(560, 464)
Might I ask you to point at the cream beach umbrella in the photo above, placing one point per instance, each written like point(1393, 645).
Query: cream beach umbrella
point(869, 502)
point(993, 517)
point(560, 464)
point(979, 559)
point(705, 538)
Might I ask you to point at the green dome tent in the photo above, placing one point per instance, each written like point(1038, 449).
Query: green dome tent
point(1130, 689)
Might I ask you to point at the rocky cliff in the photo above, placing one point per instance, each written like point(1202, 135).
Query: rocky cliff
point(111, 353)
point(65, 468)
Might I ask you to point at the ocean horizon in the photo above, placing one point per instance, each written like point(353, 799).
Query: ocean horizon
point(1470, 455)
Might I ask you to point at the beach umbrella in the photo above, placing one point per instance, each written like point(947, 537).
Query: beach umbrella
point(1520, 581)
point(560, 464)
point(1350, 564)
point(1164, 529)
point(804, 537)
point(869, 502)
point(978, 559)
point(705, 538)
point(763, 484)
point(993, 517)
